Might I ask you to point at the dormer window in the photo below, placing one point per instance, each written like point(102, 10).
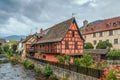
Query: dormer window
point(107, 25)
point(92, 29)
point(114, 24)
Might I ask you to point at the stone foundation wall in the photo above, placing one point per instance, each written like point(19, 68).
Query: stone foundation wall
point(63, 73)
point(113, 62)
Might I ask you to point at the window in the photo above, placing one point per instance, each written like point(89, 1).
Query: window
point(76, 45)
point(66, 45)
point(44, 57)
point(94, 42)
point(107, 40)
point(94, 34)
point(107, 25)
point(73, 33)
point(100, 34)
point(111, 33)
point(115, 41)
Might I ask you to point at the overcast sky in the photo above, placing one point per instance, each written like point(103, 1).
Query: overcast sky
point(22, 17)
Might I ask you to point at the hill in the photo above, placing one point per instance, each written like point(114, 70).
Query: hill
point(15, 37)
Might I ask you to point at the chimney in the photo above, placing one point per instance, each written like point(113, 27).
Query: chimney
point(41, 31)
point(85, 23)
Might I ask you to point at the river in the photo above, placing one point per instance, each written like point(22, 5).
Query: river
point(9, 71)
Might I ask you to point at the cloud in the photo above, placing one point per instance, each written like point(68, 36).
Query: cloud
point(21, 16)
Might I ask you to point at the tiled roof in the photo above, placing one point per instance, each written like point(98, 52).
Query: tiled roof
point(96, 51)
point(27, 38)
point(57, 32)
point(103, 25)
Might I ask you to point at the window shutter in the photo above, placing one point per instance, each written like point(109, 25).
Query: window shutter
point(112, 41)
point(118, 40)
point(113, 32)
point(118, 31)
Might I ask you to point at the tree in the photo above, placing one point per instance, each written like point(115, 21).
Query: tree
point(88, 45)
point(103, 45)
point(85, 61)
point(0, 49)
point(5, 48)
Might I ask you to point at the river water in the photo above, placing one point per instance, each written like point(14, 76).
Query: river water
point(9, 71)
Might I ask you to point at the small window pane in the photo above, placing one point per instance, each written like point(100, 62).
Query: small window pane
point(94, 34)
point(111, 33)
point(115, 41)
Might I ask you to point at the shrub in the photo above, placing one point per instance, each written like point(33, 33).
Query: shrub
point(28, 64)
point(103, 45)
point(85, 61)
point(52, 77)
point(61, 59)
point(0, 50)
point(88, 45)
point(47, 71)
point(5, 48)
point(37, 70)
point(113, 54)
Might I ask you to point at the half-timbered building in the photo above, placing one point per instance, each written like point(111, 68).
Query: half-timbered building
point(62, 39)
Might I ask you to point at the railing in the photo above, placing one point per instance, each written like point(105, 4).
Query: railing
point(79, 69)
point(47, 50)
point(113, 58)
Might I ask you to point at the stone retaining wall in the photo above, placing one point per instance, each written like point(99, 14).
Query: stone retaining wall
point(63, 73)
point(113, 62)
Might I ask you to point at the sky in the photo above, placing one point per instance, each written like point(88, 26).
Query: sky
point(24, 17)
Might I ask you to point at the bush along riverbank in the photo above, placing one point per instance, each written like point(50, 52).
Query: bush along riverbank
point(47, 74)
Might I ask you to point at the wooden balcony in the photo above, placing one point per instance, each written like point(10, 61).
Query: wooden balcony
point(47, 50)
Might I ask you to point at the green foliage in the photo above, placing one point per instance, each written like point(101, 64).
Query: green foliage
point(28, 64)
point(1, 50)
point(52, 77)
point(111, 75)
point(13, 42)
point(47, 71)
point(113, 54)
point(61, 59)
point(5, 48)
point(88, 45)
point(101, 65)
point(103, 45)
point(37, 70)
point(85, 61)
point(14, 47)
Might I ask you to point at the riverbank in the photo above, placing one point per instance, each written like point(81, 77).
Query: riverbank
point(17, 68)
point(9, 71)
